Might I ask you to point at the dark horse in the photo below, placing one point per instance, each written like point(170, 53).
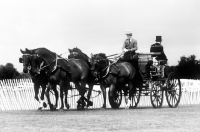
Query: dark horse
point(115, 76)
point(37, 79)
point(61, 72)
point(76, 53)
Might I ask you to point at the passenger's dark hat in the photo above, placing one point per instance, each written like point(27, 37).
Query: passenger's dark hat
point(158, 38)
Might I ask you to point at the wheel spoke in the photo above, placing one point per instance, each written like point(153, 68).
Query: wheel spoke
point(156, 95)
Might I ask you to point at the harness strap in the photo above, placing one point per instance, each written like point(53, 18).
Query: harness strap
point(108, 69)
point(56, 65)
point(113, 55)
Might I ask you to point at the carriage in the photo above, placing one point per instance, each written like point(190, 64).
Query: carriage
point(156, 83)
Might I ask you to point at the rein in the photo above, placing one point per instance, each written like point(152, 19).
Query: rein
point(56, 64)
point(113, 55)
point(107, 67)
point(98, 91)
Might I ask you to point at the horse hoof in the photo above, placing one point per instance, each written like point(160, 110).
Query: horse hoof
point(90, 103)
point(39, 109)
point(131, 107)
point(127, 107)
point(79, 107)
point(44, 105)
point(103, 107)
point(52, 107)
point(61, 109)
point(67, 106)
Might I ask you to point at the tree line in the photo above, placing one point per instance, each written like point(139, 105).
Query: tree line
point(8, 71)
point(187, 68)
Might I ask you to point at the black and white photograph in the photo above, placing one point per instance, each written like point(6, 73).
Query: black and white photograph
point(99, 65)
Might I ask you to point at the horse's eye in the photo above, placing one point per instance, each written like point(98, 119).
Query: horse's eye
point(20, 60)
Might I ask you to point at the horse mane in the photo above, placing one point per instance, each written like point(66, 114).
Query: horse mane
point(42, 50)
point(79, 51)
point(102, 55)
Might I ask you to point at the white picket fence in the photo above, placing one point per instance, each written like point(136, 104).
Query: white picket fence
point(19, 95)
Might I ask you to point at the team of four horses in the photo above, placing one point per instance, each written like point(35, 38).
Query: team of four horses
point(49, 70)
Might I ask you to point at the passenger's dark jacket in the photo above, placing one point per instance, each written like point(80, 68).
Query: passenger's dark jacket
point(157, 47)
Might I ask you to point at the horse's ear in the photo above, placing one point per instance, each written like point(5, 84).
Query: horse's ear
point(69, 50)
point(23, 52)
point(29, 51)
point(92, 55)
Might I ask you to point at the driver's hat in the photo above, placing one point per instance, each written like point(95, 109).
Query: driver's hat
point(128, 32)
point(158, 39)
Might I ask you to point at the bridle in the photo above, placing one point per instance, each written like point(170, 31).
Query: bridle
point(55, 67)
point(31, 62)
point(97, 71)
point(26, 61)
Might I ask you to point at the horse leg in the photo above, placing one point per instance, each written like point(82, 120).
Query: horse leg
point(64, 88)
point(66, 93)
point(61, 97)
point(103, 89)
point(80, 102)
point(47, 95)
point(89, 103)
point(131, 86)
point(36, 90)
point(53, 87)
point(125, 93)
point(42, 103)
point(112, 90)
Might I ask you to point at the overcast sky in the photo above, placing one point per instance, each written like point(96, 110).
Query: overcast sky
point(97, 26)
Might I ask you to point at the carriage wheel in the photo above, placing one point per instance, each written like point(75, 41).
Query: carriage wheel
point(135, 99)
point(156, 95)
point(116, 99)
point(173, 91)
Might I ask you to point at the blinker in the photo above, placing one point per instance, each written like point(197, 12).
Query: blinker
point(20, 60)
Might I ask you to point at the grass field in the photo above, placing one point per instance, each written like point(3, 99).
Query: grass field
point(183, 118)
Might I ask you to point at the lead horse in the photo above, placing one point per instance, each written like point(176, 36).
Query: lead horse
point(37, 79)
point(115, 75)
point(62, 71)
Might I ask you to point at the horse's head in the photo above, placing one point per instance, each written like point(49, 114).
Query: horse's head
point(25, 59)
point(98, 63)
point(76, 53)
point(73, 54)
point(31, 62)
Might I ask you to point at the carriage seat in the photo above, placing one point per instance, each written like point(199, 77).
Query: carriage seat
point(144, 59)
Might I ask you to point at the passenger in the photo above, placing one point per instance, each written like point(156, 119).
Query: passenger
point(158, 60)
point(157, 47)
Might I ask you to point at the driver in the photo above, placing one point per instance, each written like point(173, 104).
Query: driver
point(128, 49)
point(130, 46)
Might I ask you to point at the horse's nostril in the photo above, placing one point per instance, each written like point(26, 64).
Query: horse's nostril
point(25, 70)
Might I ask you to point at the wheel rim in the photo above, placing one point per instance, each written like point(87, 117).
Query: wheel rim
point(156, 95)
point(173, 92)
point(135, 98)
